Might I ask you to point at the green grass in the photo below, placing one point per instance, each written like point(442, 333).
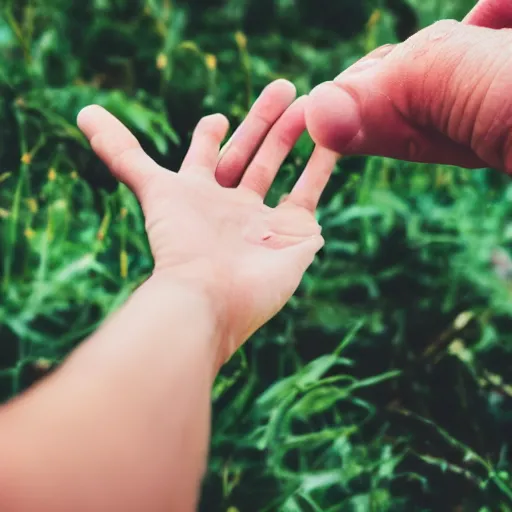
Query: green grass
point(386, 383)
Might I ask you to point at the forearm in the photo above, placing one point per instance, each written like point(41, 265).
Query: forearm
point(123, 425)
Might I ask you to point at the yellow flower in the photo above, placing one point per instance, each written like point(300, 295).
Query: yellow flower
point(211, 61)
point(123, 212)
point(463, 319)
point(29, 233)
point(26, 158)
point(241, 40)
point(74, 175)
point(189, 45)
point(4, 176)
point(374, 18)
point(52, 174)
point(60, 204)
point(458, 349)
point(43, 364)
point(123, 260)
point(32, 205)
point(161, 61)
point(495, 380)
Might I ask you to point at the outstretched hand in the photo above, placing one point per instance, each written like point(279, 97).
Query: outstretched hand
point(225, 242)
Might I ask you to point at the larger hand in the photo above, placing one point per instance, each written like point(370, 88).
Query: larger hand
point(441, 96)
point(248, 257)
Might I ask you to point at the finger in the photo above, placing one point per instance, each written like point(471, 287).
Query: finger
point(203, 153)
point(495, 14)
point(238, 152)
point(335, 122)
point(281, 139)
point(117, 147)
point(313, 180)
point(418, 103)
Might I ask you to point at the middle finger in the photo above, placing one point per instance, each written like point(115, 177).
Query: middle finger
point(239, 150)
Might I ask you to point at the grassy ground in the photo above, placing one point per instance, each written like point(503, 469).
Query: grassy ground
point(386, 384)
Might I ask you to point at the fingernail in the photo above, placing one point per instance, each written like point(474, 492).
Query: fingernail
point(358, 67)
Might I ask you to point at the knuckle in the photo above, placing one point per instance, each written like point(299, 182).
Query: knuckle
point(428, 40)
point(98, 141)
point(263, 117)
point(286, 140)
point(258, 177)
point(122, 162)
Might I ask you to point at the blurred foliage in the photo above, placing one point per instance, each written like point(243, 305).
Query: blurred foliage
point(386, 384)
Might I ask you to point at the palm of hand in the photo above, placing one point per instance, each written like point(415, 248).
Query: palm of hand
point(248, 256)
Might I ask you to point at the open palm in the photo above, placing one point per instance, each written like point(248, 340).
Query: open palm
point(209, 223)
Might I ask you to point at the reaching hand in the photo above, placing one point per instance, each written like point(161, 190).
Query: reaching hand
point(247, 257)
point(441, 96)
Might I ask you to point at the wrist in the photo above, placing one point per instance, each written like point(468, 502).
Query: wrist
point(199, 292)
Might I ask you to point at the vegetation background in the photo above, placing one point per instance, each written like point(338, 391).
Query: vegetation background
point(386, 384)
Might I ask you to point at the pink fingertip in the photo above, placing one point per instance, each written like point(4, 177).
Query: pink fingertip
point(332, 117)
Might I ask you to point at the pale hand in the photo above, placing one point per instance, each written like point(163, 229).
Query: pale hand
point(246, 257)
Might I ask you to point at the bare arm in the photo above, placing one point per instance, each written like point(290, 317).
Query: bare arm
point(123, 424)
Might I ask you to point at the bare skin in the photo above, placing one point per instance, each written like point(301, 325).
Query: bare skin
point(441, 96)
point(103, 433)
point(123, 424)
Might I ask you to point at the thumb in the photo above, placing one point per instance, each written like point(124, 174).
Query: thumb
point(296, 259)
point(441, 96)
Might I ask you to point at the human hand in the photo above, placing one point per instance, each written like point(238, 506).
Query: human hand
point(226, 243)
point(441, 96)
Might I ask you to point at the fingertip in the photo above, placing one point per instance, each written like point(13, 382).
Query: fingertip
point(223, 123)
point(283, 85)
point(217, 122)
point(280, 91)
point(87, 115)
point(221, 119)
point(301, 101)
point(332, 117)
